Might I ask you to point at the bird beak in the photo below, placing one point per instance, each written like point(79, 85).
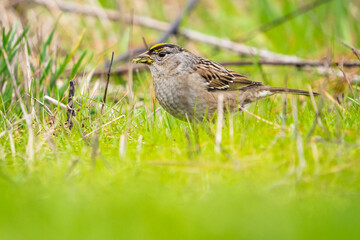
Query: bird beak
point(144, 58)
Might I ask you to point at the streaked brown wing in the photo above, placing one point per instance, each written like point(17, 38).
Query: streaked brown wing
point(220, 78)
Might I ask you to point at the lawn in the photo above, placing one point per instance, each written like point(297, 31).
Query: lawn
point(288, 168)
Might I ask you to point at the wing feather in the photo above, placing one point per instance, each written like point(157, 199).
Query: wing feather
point(220, 78)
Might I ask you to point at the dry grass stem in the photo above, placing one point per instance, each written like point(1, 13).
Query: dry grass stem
point(42, 104)
point(140, 142)
point(129, 84)
point(219, 125)
point(10, 132)
point(354, 50)
point(28, 119)
point(107, 82)
point(333, 100)
point(298, 138)
point(260, 118)
point(122, 146)
point(347, 80)
point(98, 128)
point(12, 125)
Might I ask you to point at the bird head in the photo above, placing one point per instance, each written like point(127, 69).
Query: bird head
point(164, 57)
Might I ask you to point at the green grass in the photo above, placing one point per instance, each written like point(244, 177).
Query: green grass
point(169, 182)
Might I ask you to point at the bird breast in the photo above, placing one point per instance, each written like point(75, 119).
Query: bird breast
point(179, 95)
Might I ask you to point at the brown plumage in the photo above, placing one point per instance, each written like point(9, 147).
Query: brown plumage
point(189, 86)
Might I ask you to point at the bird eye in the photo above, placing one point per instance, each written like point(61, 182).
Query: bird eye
point(162, 54)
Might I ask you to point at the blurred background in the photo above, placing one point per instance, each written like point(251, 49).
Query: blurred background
point(87, 32)
point(309, 30)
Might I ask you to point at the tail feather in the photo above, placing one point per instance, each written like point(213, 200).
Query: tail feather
point(275, 90)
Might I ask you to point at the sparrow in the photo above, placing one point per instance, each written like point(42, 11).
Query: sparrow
point(188, 86)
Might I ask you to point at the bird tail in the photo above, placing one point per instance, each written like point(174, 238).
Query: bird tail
point(276, 90)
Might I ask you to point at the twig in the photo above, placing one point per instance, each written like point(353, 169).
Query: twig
point(55, 102)
point(354, 50)
point(163, 26)
point(70, 111)
point(89, 10)
point(305, 63)
point(92, 11)
point(278, 21)
point(172, 28)
point(107, 82)
point(302, 63)
point(158, 25)
point(237, 48)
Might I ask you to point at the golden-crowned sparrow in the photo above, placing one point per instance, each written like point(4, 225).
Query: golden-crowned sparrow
point(189, 86)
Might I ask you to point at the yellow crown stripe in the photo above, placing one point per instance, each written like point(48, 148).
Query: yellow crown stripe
point(157, 45)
